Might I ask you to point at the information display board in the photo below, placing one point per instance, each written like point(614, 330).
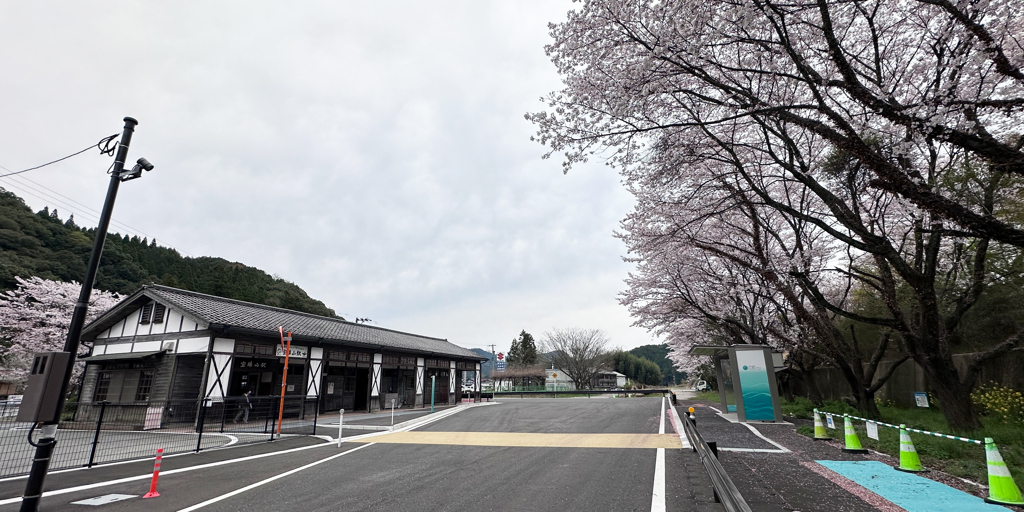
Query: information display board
point(753, 377)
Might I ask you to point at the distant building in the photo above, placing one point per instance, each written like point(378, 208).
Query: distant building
point(557, 380)
point(162, 344)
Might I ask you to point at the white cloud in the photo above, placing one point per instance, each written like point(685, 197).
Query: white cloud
point(376, 156)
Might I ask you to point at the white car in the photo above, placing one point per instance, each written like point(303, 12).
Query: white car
point(702, 385)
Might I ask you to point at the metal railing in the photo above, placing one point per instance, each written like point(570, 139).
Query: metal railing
point(103, 432)
point(725, 490)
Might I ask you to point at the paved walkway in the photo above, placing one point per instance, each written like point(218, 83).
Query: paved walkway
point(778, 469)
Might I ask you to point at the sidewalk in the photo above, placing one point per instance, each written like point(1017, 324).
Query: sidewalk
point(797, 477)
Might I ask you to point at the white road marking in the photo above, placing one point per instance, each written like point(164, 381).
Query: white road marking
point(758, 433)
point(271, 479)
point(677, 424)
point(149, 475)
point(658, 494)
point(105, 499)
point(752, 450)
point(713, 409)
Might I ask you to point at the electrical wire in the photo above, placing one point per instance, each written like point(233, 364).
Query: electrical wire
point(84, 212)
point(106, 146)
point(52, 441)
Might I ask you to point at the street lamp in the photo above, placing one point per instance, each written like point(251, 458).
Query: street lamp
point(47, 437)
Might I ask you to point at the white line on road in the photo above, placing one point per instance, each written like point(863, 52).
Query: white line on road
point(147, 476)
point(268, 480)
point(677, 424)
point(163, 473)
point(762, 436)
point(658, 495)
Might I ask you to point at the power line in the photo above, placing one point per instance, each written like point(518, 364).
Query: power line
point(89, 214)
point(105, 145)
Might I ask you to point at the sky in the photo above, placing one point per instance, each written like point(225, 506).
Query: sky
point(375, 154)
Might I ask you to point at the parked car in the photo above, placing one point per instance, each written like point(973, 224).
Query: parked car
point(702, 385)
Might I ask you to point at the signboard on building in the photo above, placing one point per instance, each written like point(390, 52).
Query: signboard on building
point(501, 366)
point(295, 351)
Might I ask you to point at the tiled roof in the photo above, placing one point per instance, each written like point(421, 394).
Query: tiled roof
point(258, 317)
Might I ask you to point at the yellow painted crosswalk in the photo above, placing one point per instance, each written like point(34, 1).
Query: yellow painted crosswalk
point(525, 439)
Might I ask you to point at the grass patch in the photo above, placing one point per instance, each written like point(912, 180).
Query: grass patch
point(959, 458)
point(706, 395)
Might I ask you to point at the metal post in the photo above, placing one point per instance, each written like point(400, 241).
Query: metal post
point(96, 438)
point(41, 461)
point(341, 422)
point(284, 375)
point(392, 414)
point(432, 382)
point(316, 413)
point(202, 423)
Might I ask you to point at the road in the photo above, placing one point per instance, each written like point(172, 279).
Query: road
point(514, 455)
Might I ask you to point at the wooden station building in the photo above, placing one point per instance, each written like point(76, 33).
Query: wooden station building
point(165, 344)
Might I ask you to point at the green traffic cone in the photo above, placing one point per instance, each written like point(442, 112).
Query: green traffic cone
point(852, 441)
point(909, 461)
point(1001, 487)
point(820, 434)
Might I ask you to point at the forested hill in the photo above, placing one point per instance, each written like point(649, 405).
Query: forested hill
point(42, 244)
point(659, 354)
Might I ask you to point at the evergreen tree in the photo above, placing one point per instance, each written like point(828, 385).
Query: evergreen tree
point(523, 352)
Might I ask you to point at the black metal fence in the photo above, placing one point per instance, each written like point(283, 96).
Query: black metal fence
point(102, 432)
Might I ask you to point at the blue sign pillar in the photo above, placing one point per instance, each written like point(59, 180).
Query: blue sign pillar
point(757, 394)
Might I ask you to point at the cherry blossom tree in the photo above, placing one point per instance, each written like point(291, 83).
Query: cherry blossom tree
point(853, 119)
point(35, 317)
point(934, 78)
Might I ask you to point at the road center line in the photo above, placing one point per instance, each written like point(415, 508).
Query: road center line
point(271, 479)
point(658, 494)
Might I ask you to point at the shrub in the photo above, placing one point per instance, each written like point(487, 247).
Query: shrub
point(999, 402)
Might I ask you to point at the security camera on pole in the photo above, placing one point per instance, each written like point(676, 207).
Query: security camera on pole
point(50, 393)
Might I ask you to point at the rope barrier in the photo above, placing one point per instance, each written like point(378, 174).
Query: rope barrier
point(908, 429)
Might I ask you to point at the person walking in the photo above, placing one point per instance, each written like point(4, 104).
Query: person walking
point(243, 409)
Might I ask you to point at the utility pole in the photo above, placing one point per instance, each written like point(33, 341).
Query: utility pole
point(47, 438)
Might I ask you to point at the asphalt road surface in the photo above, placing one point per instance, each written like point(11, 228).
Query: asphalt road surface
point(535, 454)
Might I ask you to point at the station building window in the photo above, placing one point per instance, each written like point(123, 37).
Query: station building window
point(124, 385)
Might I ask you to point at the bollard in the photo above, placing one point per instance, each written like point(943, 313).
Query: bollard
point(156, 475)
point(692, 417)
point(341, 421)
point(392, 414)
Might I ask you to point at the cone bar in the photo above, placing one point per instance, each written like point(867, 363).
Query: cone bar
point(909, 461)
point(1001, 487)
point(820, 434)
point(156, 474)
point(852, 441)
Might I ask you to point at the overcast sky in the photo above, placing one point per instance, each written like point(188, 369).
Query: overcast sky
point(376, 156)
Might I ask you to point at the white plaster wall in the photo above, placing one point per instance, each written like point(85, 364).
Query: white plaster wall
point(118, 348)
point(188, 345)
point(146, 346)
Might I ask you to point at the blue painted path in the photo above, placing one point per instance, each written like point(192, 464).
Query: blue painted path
point(913, 493)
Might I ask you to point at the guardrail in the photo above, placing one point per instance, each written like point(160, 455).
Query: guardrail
point(725, 490)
